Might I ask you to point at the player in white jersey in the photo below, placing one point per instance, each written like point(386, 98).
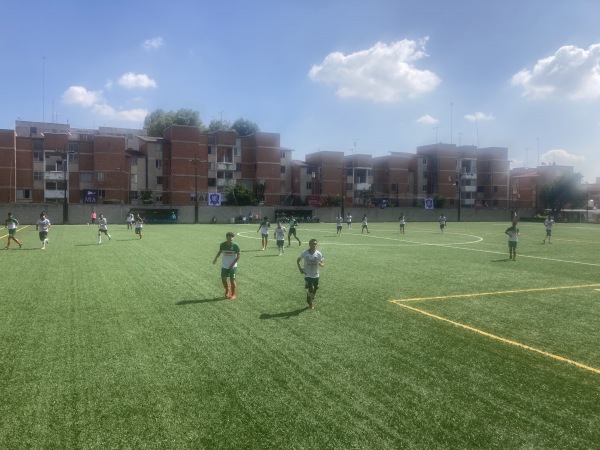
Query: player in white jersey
point(313, 259)
point(549, 222)
point(513, 239)
point(139, 224)
point(279, 235)
point(402, 223)
point(42, 225)
point(349, 220)
point(102, 228)
point(339, 223)
point(442, 220)
point(264, 232)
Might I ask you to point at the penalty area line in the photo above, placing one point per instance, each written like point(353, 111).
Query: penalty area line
point(506, 341)
point(481, 294)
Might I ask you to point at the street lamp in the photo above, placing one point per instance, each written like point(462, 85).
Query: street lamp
point(458, 188)
point(65, 158)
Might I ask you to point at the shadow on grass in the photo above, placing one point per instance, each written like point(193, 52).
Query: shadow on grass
point(501, 260)
point(265, 256)
point(283, 315)
point(201, 300)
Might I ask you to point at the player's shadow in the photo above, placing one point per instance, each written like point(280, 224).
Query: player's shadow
point(265, 256)
point(283, 315)
point(501, 260)
point(202, 300)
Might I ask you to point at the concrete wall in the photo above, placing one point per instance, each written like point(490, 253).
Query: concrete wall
point(80, 214)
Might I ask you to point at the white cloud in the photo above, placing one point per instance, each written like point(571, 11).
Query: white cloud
point(382, 73)
point(571, 73)
point(479, 117)
point(78, 95)
point(560, 157)
point(153, 43)
point(94, 100)
point(131, 80)
point(428, 120)
point(108, 85)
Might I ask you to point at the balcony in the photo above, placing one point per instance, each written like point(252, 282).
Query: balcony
point(54, 194)
point(54, 175)
point(226, 166)
point(468, 188)
point(225, 182)
point(468, 176)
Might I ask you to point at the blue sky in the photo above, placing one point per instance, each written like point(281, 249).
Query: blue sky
point(327, 75)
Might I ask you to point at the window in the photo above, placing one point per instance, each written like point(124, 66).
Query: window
point(348, 186)
point(159, 180)
point(237, 151)
point(282, 169)
point(283, 184)
point(495, 188)
point(133, 179)
point(73, 158)
point(425, 161)
point(101, 175)
point(282, 154)
point(424, 188)
point(86, 177)
point(38, 176)
point(38, 156)
point(134, 195)
point(159, 163)
point(394, 187)
point(211, 150)
point(73, 147)
point(309, 171)
point(192, 197)
point(309, 185)
point(23, 194)
point(211, 166)
point(38, 144)
point(101, 193)
point(158, 198)
point(425, 175)
point(212, 182)
point(134, 161)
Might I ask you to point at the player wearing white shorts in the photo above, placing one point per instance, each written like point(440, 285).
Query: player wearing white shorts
point(313, 259)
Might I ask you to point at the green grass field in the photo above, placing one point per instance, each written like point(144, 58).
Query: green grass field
point(420, 340)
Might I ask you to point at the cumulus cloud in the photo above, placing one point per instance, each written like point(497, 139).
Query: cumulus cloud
point(479, 117)
point(428, 120)
point(382, 73)
point(572, 73)
point(560, 157)
point(153, 43)
point(131, 80)
point(95, 101)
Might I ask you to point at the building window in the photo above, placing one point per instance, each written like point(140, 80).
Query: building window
point(134, 161)
point(282, 154)
point(237, 151)
point(86, 177)
point(425, 175)
point(348, 186)
point(38, 156)
point(159, 180)
point(424, 188)
point(38, 176)
point(282, 184)
point(23, 194)
point(133, 179)
point(192, 197)
point(495, 188)
point(134, 195)
point(425, 161)
point(394, 187)
point(310, 171)
point(101, 176)
point(282, 169)
point(38, 144)
point(212, 182)
point(159, 198)
point(73, 147)
point(308, 185)
point(101, 193)
point(159, 163)
point(211, 150)
point(73, 158)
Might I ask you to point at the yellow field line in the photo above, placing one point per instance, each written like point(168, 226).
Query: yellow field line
point(507, 341)
point(18, 229)
point(479, 294)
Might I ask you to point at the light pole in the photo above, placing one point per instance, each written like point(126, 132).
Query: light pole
point(65, 186)
point(458, 185)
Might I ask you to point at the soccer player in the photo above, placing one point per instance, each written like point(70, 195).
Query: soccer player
point(42, 225)
point(11, 223)
point(313, 259)
point(130, 220)
point(340, 223)
point(549, 222)
point(231, 255)
point(139, 223)
point(365, 225)
point(293, 224)
point(264, 231)
point(442, 220)
point(349, 220)
point(279, 235)
point(402, 223)
point(513, 239)
point(102, 228)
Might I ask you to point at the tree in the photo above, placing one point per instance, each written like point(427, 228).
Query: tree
point(146, 196)
point(562, 192)
point(158, 120)
point(244, 127)
point(217, 125)
point(240, 195)
point(439, 201)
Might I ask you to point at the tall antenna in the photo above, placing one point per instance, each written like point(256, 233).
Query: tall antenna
point(538, 148)
point(436, 133)
point(477, 129)
point(451, 122)
point(43, 89)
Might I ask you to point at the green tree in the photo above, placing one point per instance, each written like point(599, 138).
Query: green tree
point(146, 196)
point(158, 120)
point(244, 127)
point(240, 195)
point(562, 192)
point(439, 201)
point(217, 125)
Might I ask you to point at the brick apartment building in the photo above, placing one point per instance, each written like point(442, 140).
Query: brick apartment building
point(48, 162)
